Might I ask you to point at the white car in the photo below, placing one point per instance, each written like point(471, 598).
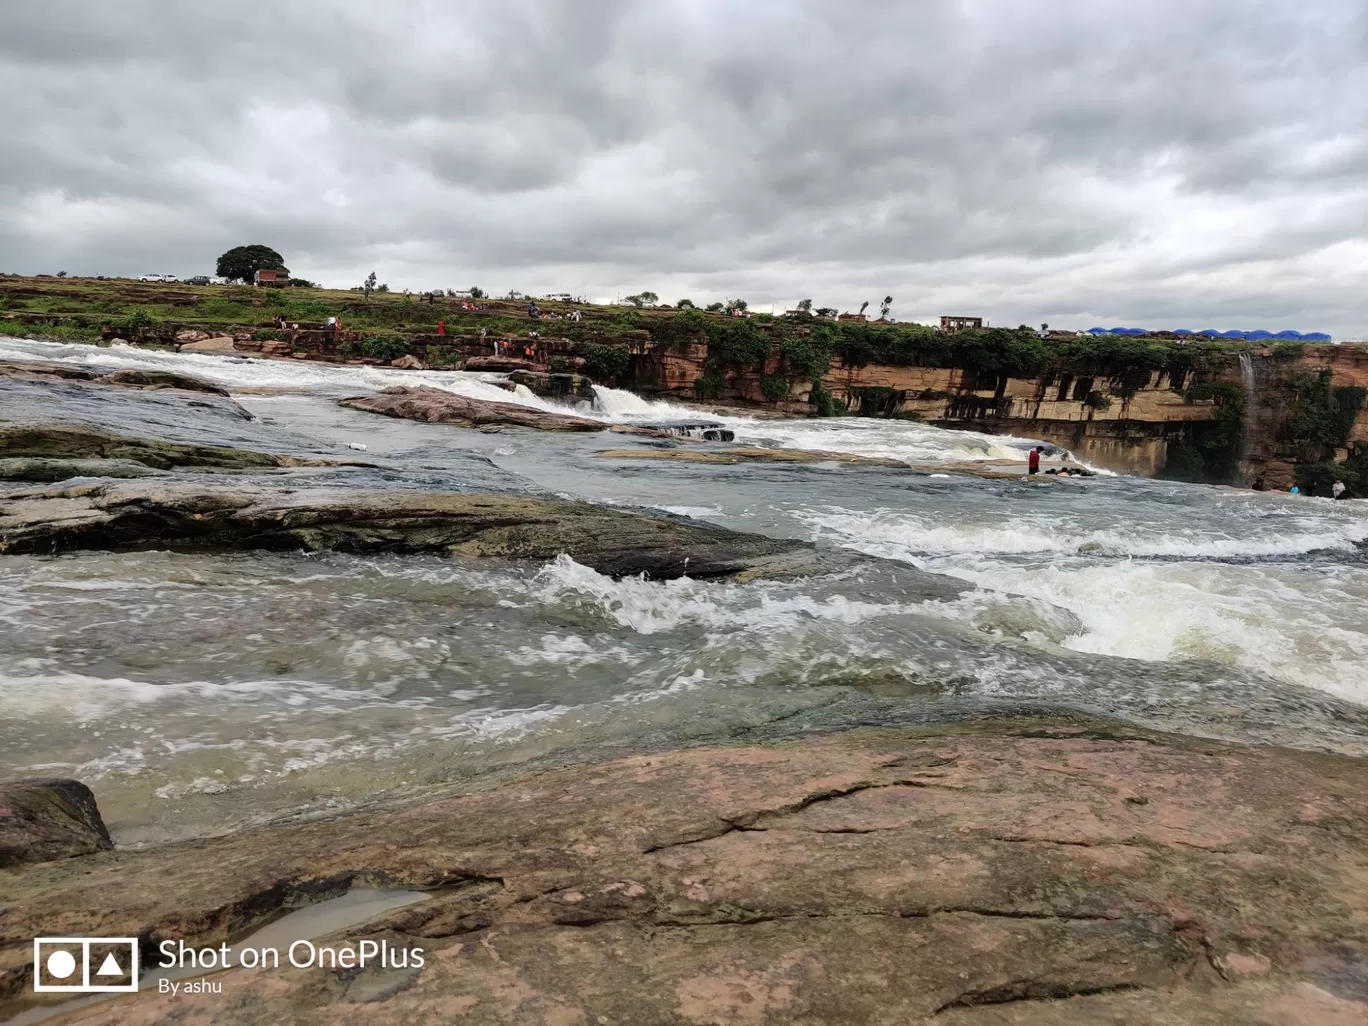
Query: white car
point(157, 277)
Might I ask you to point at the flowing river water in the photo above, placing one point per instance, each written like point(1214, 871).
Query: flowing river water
point(198, 692)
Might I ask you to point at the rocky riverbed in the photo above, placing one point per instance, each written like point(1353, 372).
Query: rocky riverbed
point(817, 725)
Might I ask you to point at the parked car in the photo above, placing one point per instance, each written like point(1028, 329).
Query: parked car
point(199, 279)
point(157, 277)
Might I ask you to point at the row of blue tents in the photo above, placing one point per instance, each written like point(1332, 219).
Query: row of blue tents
point(1248, 336)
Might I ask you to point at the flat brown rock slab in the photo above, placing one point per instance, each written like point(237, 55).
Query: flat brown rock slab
point(437, 406)
point(43, 819)
point(160, 512)
point(85, 442)
point(1023, 872)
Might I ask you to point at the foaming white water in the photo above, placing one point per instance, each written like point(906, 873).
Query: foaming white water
point(240, 372)
point(898, 534)
point(1300, 623)
point(649, 607)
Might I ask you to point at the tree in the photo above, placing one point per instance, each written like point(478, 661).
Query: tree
point(649, 298)
point(61, 274)
point(686, 304)
point(242, 263)
point(805, 305)
point(382, 288)
point(863, 306)
point(826, 311)
point(714, 308)
point(884, 307)
point(476, 292)
point(735, 306)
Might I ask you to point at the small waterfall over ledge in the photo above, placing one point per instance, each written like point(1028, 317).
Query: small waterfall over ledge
point(1248, 417)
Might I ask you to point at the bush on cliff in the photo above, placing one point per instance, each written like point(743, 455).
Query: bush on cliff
point(1322, 417)
point(601, 362)
point(382, 347)
point(1212, 452)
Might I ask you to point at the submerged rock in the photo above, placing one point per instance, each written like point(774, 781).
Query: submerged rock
point(1043, 871)
point(438, 406)
point(44, 819)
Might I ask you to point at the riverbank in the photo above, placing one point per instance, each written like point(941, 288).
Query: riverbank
point(1197, 409)
point(972, 873)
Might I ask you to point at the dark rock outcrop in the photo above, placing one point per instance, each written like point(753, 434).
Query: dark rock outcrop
point(44, 819)
point(40, 469)
point(1051, 872)
point(128, 378)
point(84, 442)
point(142, 514)
point(441, 407)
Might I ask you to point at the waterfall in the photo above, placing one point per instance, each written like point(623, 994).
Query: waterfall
point(1248, 417)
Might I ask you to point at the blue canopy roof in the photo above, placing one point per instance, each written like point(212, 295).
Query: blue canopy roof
point(1289, 333)
point(1255, 336)
point(1120, 331)
point(1232, 334)
point(1183, 331)
point(1316, 336)
point(1098, 331)
point(1210, 333)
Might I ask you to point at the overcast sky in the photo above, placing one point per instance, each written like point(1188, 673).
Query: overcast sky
point(1173, 163)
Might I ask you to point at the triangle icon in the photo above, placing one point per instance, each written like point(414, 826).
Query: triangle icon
point(109, 967)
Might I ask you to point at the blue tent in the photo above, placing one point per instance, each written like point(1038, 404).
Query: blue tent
point(1182, 331)
point(1210, 333)
point(1258, 336)
point(1119, 331)
point(1316, 336)
point(1098, 331)
point(1232, 334)
point(1289, 333)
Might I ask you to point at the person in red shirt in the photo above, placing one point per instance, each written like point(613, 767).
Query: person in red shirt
point(1033, 461)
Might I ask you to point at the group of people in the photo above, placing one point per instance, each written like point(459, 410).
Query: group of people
point(1338, 490)
point(534, 312)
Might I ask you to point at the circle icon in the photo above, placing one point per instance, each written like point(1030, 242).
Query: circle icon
point(61, 964)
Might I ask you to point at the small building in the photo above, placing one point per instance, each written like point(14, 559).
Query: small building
point(272, 279)
point(852, 317)
point(950, 325)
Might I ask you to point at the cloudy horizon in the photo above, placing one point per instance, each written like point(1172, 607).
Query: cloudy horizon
point(1078, 162)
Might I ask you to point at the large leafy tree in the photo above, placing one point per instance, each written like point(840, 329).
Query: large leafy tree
point(242, 262)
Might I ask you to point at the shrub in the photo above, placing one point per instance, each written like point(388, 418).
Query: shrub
point(775, 386)
point(737, 342)
point(383, 347)
point(709, 386)
point(1098, 400)
point(140, 319)
point(268, 334)
point(605, 361)
point(824, 404)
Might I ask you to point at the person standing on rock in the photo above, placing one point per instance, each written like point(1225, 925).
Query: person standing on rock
point(1337, 489)
point(1033, 460)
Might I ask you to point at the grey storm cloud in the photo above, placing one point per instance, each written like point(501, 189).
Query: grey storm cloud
point(1071, 160)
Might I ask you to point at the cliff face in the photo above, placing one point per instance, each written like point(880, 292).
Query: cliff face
point(1219, 416)
point(1128, 419)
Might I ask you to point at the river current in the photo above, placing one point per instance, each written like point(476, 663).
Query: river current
point(198, 692)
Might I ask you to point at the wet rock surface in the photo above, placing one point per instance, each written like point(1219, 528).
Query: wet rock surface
point(435, 405)
point(1046, 870)
point(86, 442)
point(42, 819)
point(156, 513)
point(129, 378)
